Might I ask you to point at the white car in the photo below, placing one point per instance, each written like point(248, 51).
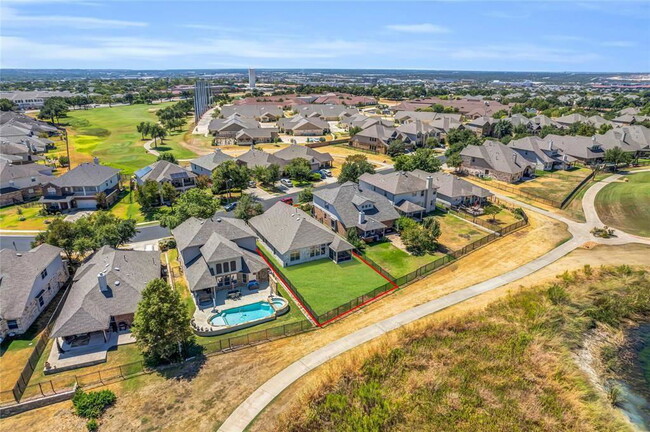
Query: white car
point(286, 182)
point(327, 172)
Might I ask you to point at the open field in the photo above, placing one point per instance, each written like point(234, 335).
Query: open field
point(326, 285)
point(457, 232)
point(396, 261)
point(200, 398)
point(110, 134)
point(499, 367)
point(626, 204)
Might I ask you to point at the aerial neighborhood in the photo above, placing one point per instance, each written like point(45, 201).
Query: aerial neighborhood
point(230, 215)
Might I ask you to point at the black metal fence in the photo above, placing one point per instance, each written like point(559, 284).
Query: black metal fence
point(575, 190)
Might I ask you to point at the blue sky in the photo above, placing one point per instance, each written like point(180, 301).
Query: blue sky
point(460, 35)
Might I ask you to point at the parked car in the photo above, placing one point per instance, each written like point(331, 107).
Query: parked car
point(252, 184)
point(327, 172)
point(286, 182)
point(231, 206)
point(288, 200)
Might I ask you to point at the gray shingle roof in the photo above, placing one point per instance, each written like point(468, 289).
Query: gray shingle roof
point(251, 111)
point(451, 186)
point(397, 182)
point(86, 174)
point(87, 308)
point(18, 274)
point(255, 157)
point(163, 170)
point(196, 232)
point(212, 160)
point(9, 172)
point(498, 156)
point(288, 228)
point(294, 151)
point(341, 198)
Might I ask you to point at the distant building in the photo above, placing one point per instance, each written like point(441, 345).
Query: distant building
point(32, 99)
point(251, 78)
point(202, 99)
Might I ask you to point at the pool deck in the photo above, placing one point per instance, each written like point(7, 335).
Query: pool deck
point(201, 315)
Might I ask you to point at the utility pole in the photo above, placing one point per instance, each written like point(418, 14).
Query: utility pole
point(67, 147)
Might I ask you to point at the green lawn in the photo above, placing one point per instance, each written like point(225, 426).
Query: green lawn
point(10, 219)
point(456, 232)
point(326, 285)
point(110, 134)
point(626, 205)
point(395, 261)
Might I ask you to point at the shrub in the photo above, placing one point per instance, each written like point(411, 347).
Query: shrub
point(557, 294)
point(92, 425)
point(166, 244)
point(92, 405)
point(519, 213)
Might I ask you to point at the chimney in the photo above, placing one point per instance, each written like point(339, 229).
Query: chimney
point(362, 217)
point(429, 182)
point(101, 278)
point(514, 157)
point(623, 137)
point(550, 145)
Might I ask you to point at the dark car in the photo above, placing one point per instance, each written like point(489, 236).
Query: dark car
point(231, 206)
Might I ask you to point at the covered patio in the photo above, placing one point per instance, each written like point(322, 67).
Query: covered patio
point(410, 209)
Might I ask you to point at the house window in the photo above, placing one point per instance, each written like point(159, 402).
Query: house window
point(226, 268)
point(233, 266)
point(33, 179)
point(421, 193)
point(41, 302)
point(244, 277)
point(43, 274)
point(295, 256)
point(12, 324)
point(218, 266)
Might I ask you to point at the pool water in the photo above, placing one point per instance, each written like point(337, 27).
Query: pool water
point(243, 314)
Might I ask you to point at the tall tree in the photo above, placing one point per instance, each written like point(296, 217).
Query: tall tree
point(617, 157)
point(229, 176)
point(193, 203)
point(298, 169)
point(167, 156)
point(169, 193)
point(425, 159)
point(161, 325)
point(268, 175)
point(53, 108)
point(7, 105)
point(148, 195)
point(354, 167)
point(248, 207)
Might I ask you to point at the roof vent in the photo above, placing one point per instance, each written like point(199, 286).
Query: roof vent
point(117, 283)
point(19, 254)
point(219, 219)
point(117, 269)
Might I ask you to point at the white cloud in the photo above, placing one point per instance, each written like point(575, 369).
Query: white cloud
point(619, 44)
point(526, 52)
point(12, 18)
point(418, 28)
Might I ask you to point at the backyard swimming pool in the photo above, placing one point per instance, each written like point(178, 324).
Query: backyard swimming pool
point(243, 314)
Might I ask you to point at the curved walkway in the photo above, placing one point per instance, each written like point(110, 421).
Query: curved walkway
point(245, 413)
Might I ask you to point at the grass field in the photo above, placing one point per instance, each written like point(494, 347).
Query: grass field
point(394, 260)
point(10, 219)
point(110, 134)
point(509, 367)
point(326, 285)
point(456, 232)
point(626, 205)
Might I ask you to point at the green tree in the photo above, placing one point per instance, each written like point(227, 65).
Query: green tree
point(432, 142)
point(195, 202)
point(298, 169)
point(161, 325)
point(306, 195)
point(455, 161)
point(616, 156)
point(268, 175)
point(158, 132)
point(102, 202)
point(7, 105)
point(354, 167)
point(169, 193)
point(395, 148)
point(230, 176)
point(458, 139)
point(60, 234)
point(53, 108)
point(419, 240)
point(148, 195)
point(64, 161)
point(354, 130)
point(167, 156)
point(352, 236)
point(144, 128)
point(501, 129)
point(492, 210)
point(248, 207)
point(425, 159)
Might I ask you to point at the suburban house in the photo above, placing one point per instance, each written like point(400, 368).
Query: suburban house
point(18, 152)
point(316, 159)
point(377, 138)
point(469, 107)
point(32, 126)
point(624, 139)
point(294, 237)
point(345, 99)
point(417, 132)
point(424, 116)
point(204, 165)
point(99, 310)
point(254, 157)
point(262, 113)
point(542, 153)
point(497, 160)
point(28, 282)
point(349, 206)
point(325, 112)
point(163, 171)
point(303, 126)
point(79, 187)
point(218, 255)
point(587, 150)
point(252, 136)
point(455, 192)
point(481, 126)
point(362, 121)
point(570, 119)
point(228, 127)
point(542, 120)
point(22, 182)
point(412, 193)
point(629, 119)
point(599, 121)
